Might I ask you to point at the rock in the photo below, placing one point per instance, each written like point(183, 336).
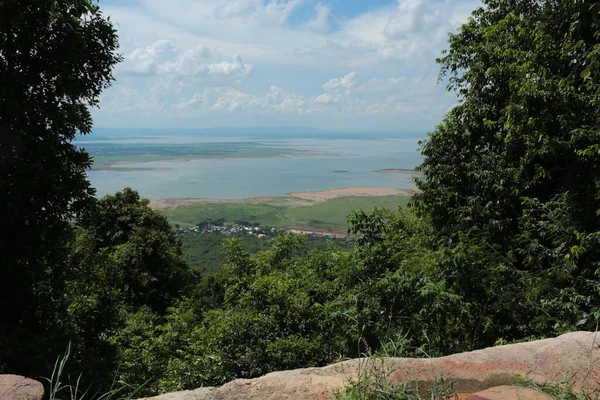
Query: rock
point(508, 393)
point(548, 360)
point(15, 387)
point(573, 355)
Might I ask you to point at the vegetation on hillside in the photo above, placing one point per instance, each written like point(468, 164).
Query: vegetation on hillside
point(502, 243)
point(205, 252)
point(330, 215)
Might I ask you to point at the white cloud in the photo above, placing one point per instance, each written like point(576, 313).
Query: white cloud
point(189, 62)
point(414, 17)
point(336, 99)
point(163, 58)
point(320, 22)
point(327, 99)
point(147, 60)
point(279, 10)
point(343, 84)
point(272, 11)
point(262, 58)
point(235, 68)
point(230, 100)
point(412, 32)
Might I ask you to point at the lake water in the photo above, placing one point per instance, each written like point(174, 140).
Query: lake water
point(254, 177)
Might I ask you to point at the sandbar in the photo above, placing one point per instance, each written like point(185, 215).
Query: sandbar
point(324, 195)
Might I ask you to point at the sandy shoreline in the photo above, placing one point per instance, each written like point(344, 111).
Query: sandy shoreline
point(324, 195)
point(293, 199)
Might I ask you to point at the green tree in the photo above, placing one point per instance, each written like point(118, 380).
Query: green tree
point(264, 312)
point(124, 265)
point(139, 247)
point(399, 288)
point(56, 57)
point(513, 168)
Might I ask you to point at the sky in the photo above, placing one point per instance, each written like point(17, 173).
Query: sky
point(333, 64)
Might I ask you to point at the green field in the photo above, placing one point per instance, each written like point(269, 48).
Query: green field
point(329, 216)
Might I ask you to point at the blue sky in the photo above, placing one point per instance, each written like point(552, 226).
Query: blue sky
point(333, 64)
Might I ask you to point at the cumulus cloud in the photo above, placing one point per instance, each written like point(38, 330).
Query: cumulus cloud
point(229, 99)
point(163, 58)
point(343, 84)
point(337, 98)
point(327, 99)
point(235, 68)
point(147, 60)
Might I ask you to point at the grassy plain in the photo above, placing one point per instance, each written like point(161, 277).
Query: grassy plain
point(330, 215)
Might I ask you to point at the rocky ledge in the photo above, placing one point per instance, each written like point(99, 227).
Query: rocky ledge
point(478, 375)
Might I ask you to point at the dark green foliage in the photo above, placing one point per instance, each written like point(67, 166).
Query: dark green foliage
point(126, 264)
point(512, 171)
point(397, 289)
point(140, 247)
point(55, 59)
point(263, 312)
point(204, 251)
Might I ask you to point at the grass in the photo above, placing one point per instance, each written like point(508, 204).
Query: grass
point(332, 215)
point(563, 391)
point(266, 215)
point(329, 216)
point(58, 389)
point(373, 384)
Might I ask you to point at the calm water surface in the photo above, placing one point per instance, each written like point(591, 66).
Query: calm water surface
point(253, 177)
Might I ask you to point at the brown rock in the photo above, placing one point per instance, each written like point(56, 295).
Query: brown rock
point(508, 393)
point(15, 387)
point(573, 354)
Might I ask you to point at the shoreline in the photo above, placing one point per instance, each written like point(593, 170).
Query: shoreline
point(292, 199)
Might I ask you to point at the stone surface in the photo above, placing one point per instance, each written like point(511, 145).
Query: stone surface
point(508, 393)
point(15, 387)
point(573, 354)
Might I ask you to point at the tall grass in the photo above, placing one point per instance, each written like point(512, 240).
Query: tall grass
point(372, 383)
point(62, 387)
